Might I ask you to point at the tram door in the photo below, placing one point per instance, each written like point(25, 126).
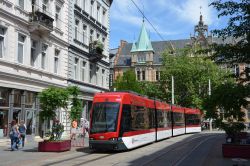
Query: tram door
point(29, 121)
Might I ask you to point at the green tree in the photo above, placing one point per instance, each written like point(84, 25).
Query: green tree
point(52, 99)
point(229, 97)
point(55, 98)
point(127, 82)
point(238, 25)
point(76, 105)
point(191, 77)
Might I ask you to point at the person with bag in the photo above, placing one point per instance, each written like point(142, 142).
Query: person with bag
point(22, 130)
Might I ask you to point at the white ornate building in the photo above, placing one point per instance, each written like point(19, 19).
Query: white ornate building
point(88, 67)
point(33, 56)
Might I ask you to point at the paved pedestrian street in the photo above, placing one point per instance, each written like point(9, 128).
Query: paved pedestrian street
point(186, 150)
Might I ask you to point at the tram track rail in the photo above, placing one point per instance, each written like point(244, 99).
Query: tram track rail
point(178, 145)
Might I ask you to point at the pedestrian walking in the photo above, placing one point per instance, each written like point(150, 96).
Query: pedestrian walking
point(22, 130)
point(14, 136)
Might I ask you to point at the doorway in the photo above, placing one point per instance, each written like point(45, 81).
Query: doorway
point(29, 121)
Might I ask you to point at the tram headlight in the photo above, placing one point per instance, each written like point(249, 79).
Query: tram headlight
point(91, 138)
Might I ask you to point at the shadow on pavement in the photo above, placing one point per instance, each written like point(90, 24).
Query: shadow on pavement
point(182, 152)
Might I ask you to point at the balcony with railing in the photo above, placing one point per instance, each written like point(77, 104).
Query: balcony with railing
point(40, 21)
point(95, 51)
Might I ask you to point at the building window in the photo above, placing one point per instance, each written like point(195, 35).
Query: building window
point(83, 71)
point(90, 73)
point(138, 74)
point(84, 4)
point(92, 8)
point(98, 13)
point(141, 58)
point(21, 41)
point(2, 36)
point(56, 61)
point(45, 5)
point(157, 75)
point(103, 77)
point(143, 75)
point(76, 68)
point(76, 29)
point(96, 76)
point(44, 55)
point(84, 35)
point(58, 17)
point(91, 35)
point(77, 2)
point(97, 36)
point(103, 16)
point(33, 53)
point(21, 4)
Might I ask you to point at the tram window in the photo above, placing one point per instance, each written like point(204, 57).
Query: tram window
point(192, 119)
point(151, 117)
point(126, 118)
point(139, 118)
point(104, 117)
point(178, 119)
point(169, 119)
point(160, 118)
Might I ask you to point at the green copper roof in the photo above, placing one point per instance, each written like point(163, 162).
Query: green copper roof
point(143, 43)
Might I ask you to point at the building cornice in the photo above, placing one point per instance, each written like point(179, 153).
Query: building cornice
point(88, 85)
point(39, 71)
point(28, 79)
point(14, 17)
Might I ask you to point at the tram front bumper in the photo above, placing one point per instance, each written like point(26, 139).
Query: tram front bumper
point(107, 145)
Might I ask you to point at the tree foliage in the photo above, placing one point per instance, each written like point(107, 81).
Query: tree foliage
point(127, 82)
point(55, 98)
point(52, 99)
point(237, 27)
point(76, 105)
point(191, 78)
point(228, 98)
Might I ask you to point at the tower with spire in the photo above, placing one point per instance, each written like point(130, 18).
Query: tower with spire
point(142, 54)
point(201, 36)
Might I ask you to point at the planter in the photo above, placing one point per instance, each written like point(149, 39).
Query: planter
point(236, 150)
point(54, 146)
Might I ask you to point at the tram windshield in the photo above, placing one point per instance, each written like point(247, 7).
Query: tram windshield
point(104, 117)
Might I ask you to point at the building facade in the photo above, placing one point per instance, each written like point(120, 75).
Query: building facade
point(144, 56)
point(33, 56)
point(89, 48)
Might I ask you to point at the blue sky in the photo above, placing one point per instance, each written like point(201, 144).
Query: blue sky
point(174, 19)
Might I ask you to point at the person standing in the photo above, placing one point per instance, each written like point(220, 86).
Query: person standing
point(73, 130)
point(14, 135)
point(22, 130)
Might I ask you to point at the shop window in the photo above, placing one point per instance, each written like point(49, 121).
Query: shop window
point(4, 97)
point(17, 98)
point(30, 100)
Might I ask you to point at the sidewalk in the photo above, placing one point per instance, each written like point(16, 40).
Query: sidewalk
point(31, 143)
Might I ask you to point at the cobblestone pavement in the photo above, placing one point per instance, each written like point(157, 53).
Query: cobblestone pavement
point(186, 150)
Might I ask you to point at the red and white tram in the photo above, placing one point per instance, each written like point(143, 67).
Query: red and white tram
point(192, 120)
point(123, 120)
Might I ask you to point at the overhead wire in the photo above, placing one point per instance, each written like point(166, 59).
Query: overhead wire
point(162, 38)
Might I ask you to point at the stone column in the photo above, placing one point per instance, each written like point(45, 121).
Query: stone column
point(11, 103)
